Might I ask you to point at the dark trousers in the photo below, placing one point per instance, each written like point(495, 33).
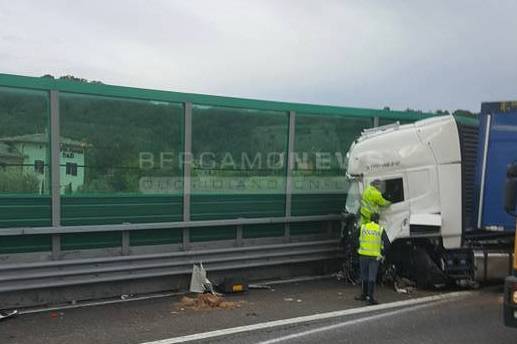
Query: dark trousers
point(369, 266)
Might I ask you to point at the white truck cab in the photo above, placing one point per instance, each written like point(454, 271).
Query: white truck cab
point(420, 165)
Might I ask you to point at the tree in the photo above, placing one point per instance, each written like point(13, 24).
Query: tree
point(466, 113)
point(72, 78)
point(15, 181)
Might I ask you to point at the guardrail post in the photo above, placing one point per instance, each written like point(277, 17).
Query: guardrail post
point(187, 157)
point(329, 228)
point(55, 166)
point(290, 168)
point(239, 235)
point(125, 243)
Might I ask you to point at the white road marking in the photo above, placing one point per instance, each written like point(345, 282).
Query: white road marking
point(348, 323)
point(99, 303)
point(308, 318)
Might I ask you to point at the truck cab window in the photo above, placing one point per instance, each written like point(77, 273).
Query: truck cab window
point(394, 190)
point(353, 198)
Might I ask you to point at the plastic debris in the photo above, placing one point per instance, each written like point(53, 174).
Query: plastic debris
point(288, 299)
point(199, 283)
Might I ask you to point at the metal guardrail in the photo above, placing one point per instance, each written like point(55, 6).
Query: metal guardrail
point(166, 225)
point(51, 274)
point(73, 272)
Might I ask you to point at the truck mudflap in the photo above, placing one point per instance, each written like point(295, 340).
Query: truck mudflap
point(510, 302)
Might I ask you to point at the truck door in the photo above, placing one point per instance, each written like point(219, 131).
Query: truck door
point(395, 218)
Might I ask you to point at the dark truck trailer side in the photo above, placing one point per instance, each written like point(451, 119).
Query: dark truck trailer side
point(510, 298)
point(510, 285)
point(491, 228)
point(498, 199)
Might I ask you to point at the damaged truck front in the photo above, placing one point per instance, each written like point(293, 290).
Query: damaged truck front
point(428, 173)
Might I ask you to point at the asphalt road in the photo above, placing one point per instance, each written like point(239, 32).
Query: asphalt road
point(470, 319)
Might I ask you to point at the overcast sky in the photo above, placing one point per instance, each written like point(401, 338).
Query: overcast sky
point(426, 55)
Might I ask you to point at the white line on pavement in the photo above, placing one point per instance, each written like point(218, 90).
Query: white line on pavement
point(348, 323)
point(99, 303)
point(308, 318)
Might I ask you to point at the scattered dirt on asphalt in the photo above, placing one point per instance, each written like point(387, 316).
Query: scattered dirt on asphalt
point(206, 302)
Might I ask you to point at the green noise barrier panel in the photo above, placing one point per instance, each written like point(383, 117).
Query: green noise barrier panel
point(122, 152)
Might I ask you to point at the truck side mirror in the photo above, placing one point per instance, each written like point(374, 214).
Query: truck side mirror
point(510, 190)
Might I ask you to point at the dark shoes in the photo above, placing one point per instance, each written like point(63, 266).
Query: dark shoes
point(371, 301)
point(364, 292)
point(367, 289)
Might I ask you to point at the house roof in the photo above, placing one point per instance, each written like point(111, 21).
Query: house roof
point(7, 151)
point(41, 138)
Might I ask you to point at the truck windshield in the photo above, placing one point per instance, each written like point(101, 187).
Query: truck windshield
point(353, 197)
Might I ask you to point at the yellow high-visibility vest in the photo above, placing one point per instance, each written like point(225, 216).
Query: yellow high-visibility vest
point(370, 240)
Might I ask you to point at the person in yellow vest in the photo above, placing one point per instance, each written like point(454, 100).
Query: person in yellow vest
point(372, 241)
point(372, 201)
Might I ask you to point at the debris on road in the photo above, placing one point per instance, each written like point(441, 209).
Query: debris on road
point(233, 285)
point(8, 314)
point(404, 286)
point(206, 302)
point(199, 283)
point(338, 275)
point(259, 286)
point(288, 299)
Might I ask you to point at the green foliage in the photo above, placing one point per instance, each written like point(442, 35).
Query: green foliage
point(116, 132)
point(332, 136)
point(466, 113)
point(15, 181)
point(22, 112)
point(100, 184)
point(72, 78)
point(233, 132)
